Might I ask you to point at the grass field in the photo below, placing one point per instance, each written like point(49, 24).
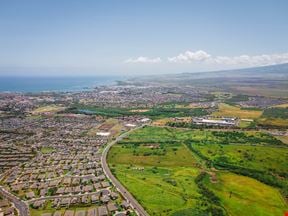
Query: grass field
point(146, 156)
point(248, 196)
point(263, 158)
point(244, 124)
point(110, 125)
point(278, 122)
point(235, 111)
point(48, 108)
point(160, 190)
point(262, 90)
point(284, 139)
point(285, 105)
point(46, 150)
point(157, 167)
point(162, 183)
point(162, 111)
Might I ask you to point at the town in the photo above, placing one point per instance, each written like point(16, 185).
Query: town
point(54, 144)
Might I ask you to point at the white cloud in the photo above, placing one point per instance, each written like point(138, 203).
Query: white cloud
point(246, 60)
point(189, 56)
point(242, 60)
point(143, 59)
point(203, 57)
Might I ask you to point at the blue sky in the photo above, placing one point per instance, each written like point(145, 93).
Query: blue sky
point(123, 37)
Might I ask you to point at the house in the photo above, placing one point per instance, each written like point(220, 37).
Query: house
point(80, 213)
point(68, 190)
point(97, 186)
point(95, 198)
point(77, 189)
point(84, 199)
point(74, 200)
point(55, 202)
point(4, 203)
point(34, 186)
point(30, 195)
point(113, 195)
point(65, 202)
point(105, 199)
point(101, 177)
point(125, 205)
point(92, 212)
point(76, 181)
point(85, 181)
point(67, 181)
point(9, 211)
point(112, 207)
point(211, 122)
point(105, 184)
point(57, 213)
point(69, 213)
point(38, 203)
point(53, 183)
point(120, 214)
point(102, 211)
point(88, 188)
point(43, 192)
point(105, 192)
point(60, 190)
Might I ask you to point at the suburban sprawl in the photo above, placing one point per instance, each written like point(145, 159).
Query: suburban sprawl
point(172, 145)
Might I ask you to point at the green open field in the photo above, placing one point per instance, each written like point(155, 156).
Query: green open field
point(275, 116)
point(161, 111)
point(159, 167)
point(271, 117)
point(161, 190)
point(162, 180)
point(235, 111)
point(48, 108)
point(46, 150)
point(273, 122)
point(247, 195)
point(263, 158)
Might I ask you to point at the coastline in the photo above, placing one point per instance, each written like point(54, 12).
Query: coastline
point(26, 85)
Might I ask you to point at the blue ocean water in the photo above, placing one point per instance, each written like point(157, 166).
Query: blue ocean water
point(40, 84)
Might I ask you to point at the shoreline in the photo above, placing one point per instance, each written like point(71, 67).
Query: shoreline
point(26, 85)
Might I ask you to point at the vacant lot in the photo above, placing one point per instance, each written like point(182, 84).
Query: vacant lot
point(48, 108)
point(159, 167)
point(47, 150)
point(273, 122)
point(235, 111)
point(263, 158)
point(160, 190)
point(162, 180)
point(245, 196)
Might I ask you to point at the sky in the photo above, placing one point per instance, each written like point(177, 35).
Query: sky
point(133, 37)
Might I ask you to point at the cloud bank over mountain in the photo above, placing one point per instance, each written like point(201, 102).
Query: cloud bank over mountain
point(204, 57)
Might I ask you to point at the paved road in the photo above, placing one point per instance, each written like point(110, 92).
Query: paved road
point(23, 209)
point(125, 193)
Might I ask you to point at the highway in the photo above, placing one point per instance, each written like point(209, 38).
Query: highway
point(125, 193)
point(21, 206)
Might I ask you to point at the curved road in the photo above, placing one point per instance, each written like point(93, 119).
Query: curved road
point(21, 206)
point(125, 193)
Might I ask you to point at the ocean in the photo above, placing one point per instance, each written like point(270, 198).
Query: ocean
point(58, 84)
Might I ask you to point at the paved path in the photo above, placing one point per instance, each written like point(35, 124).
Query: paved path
point(125, 193)
point(21, 206)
